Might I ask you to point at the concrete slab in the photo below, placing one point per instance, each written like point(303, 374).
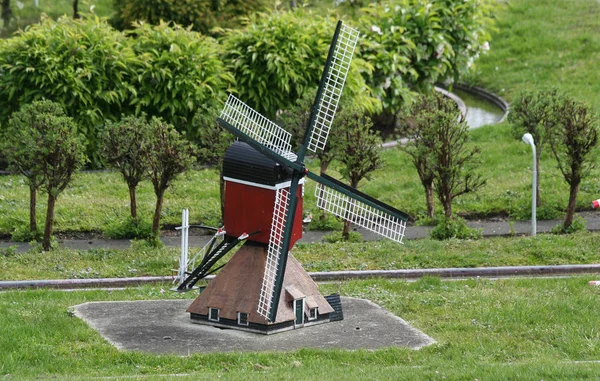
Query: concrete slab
point(163, 327)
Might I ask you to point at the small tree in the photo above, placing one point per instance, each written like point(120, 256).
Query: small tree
point(123, 145)
point(452, 161)
point(20, 148)
point(168, 154)
point(58, 151)
point(361, 147)
point(531, 112)
point(421, 143)
point(572, 139)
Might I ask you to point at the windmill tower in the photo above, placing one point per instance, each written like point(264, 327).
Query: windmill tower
point(263, 288)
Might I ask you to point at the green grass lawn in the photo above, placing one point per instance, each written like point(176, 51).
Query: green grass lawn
point(142, 260)
point(544, 43)
point(487, 330)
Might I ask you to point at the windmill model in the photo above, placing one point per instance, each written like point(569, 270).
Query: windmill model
point(262, 287)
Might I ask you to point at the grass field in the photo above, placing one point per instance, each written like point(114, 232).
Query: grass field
point(142, 260)
point(487, 330)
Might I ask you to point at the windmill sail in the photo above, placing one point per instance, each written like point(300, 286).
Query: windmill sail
point(332, 85)
point(276, 238)
point(257, 127)
point(350, 204)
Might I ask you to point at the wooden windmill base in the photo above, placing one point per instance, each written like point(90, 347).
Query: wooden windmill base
point(231, 299)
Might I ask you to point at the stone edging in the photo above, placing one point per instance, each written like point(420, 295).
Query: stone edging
point(326, 276)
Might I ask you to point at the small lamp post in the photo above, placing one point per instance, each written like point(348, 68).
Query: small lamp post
point(527, 138)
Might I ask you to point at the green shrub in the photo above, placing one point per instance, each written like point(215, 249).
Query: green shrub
point(179, 74)
point(448, 228)
point(84, 65)
point(201, 15)
point(414, 44)
point(334, 237)
point(280, 56)
point(330, 222)
point(129, 228)
point(23, 233)
point(578, 224)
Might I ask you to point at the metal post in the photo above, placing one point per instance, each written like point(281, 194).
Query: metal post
point(527, 138)
point(183, 260)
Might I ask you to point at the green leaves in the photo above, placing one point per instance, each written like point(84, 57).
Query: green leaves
point(201, 15)
point(178, 74)
point(84, 65)
point(413, 44)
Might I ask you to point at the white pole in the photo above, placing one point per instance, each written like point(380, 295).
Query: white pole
point(183, 260)
point(527, 138)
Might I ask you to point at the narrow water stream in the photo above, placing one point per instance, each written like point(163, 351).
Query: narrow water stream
point(480, 111)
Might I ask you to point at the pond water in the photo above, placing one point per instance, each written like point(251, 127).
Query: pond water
point(480, 111)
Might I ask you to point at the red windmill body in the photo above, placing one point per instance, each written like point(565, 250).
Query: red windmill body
point(251, 185)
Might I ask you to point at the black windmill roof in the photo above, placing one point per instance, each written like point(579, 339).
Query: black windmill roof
point(243, 162)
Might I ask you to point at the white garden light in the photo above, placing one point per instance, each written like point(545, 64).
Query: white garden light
point(527, 138)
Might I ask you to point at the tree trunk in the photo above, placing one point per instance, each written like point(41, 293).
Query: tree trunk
point(6, 13)
point(293, 4)
point(76, 9)
point(448, 207)
point(324, 165)
point(156, 221)
point(32, 205)
point(571, 207)
point(49, 221)
point(430, 198)
point(538, 197)
point(349, 213)
point(132, 202)
point(346, 231)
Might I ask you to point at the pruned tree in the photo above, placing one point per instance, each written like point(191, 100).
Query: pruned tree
point(19, 145)
point(361, 148)
point(531, 112)
point(420, 146)
point(168, 154)
point(452, 160)
point(123, 147)
point(572, 139)
point(58, 150)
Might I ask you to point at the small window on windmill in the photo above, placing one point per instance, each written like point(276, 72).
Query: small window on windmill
point(213, 314)
point(312, 308)
point(242, 318)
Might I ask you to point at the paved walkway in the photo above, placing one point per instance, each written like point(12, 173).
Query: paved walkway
point(490, 228)
point(163, 327)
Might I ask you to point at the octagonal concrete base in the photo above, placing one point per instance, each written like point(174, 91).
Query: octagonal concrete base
point(163, 326)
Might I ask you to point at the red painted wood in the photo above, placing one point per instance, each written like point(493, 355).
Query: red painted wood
point(249, 209)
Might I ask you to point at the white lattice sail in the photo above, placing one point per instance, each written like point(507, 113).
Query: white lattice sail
point(333, 86)
point(273, 252)
point(257, 127)
point(360, 213)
